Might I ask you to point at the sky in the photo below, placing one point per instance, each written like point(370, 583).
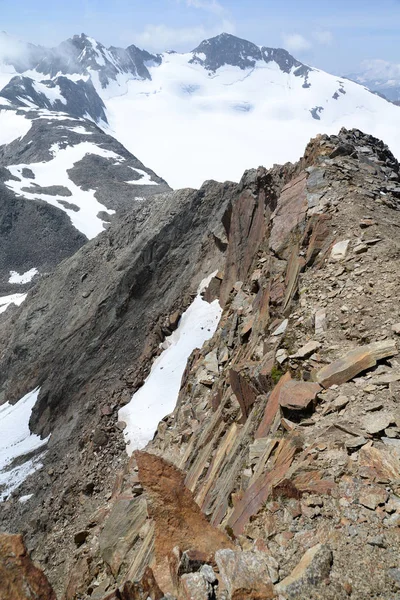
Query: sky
point(336, 36)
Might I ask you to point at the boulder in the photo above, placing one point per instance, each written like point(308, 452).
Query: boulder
point(339, 250)
point(298, 395)
point(313, 568)
point(19, 578)
point(178, 520)
point(355, 362)
point(244, 575)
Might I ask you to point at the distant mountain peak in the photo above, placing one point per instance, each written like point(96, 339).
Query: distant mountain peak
point(227, 49)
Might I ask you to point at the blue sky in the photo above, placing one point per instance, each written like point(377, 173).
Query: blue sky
point(334, 35)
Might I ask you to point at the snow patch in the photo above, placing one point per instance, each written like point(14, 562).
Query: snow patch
point(24, 499)
point(6, 301)
point(145, 178)
point(79, 129)
point(52, 93)
point(12, 126)
point(159, 393)
point(24, 278)
point(191, 125)
point(16, 441)
point(55, 173)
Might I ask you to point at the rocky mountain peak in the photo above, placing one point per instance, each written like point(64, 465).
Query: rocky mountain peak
point(226, 49)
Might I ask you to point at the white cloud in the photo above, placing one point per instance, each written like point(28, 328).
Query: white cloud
point(296, 42)
point(325, 38)
point(380, 69)
point(209, 5)
point(160, 37)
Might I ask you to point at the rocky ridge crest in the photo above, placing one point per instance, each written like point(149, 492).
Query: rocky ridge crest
point(286, 432)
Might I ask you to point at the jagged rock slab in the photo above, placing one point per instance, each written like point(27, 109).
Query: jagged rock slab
point(313, 568)
point(258, 493)
point(179, 521)
point(354, 362)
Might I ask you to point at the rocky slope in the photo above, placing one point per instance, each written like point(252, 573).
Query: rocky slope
point(63, 179)
point(281, 459)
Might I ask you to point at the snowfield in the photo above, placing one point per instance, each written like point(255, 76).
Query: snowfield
point(55, 173)
point(158, 395)
point(191, 125)
point(12, 126)
point(16, 441)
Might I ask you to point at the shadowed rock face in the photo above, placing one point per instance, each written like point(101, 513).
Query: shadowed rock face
point(19, 578)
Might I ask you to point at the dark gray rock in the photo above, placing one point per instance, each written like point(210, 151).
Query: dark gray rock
point(109, 296)
point(227, 49)
point(80, 98)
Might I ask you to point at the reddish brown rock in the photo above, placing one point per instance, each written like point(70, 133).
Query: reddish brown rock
point(244, 391)
point(290, 212)
point(258, 493)
point(143, 590)
point(298, 395)
point(317, 234)
point(272, 407)
point(378, 465)
point(178, 519)
point(354, 362)
point(295, 265)
point(247, 230)
point(78, 580)
point(19, 578)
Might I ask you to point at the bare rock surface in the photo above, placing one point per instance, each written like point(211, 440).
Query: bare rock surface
point(20, 579)
point(271, 478)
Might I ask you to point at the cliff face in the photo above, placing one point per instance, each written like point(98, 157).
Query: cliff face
point(282, 457)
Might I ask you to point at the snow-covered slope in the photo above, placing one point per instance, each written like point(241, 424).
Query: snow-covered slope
point(197, 124)
point(211, 113)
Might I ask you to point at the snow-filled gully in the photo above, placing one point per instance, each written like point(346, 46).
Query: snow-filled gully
point(17, 441)
point(159, 393)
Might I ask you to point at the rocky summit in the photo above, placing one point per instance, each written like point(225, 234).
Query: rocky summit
point(277, 474)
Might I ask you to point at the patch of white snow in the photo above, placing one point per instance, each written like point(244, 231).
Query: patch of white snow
point(145, 178)
point(24, 278)
point(159, 393)
point(6, 301)
point(16, 440)
point(55, 173)
point(12, 126)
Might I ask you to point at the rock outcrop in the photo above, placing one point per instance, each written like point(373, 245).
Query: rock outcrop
point(19, 578)
point(282, 456)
